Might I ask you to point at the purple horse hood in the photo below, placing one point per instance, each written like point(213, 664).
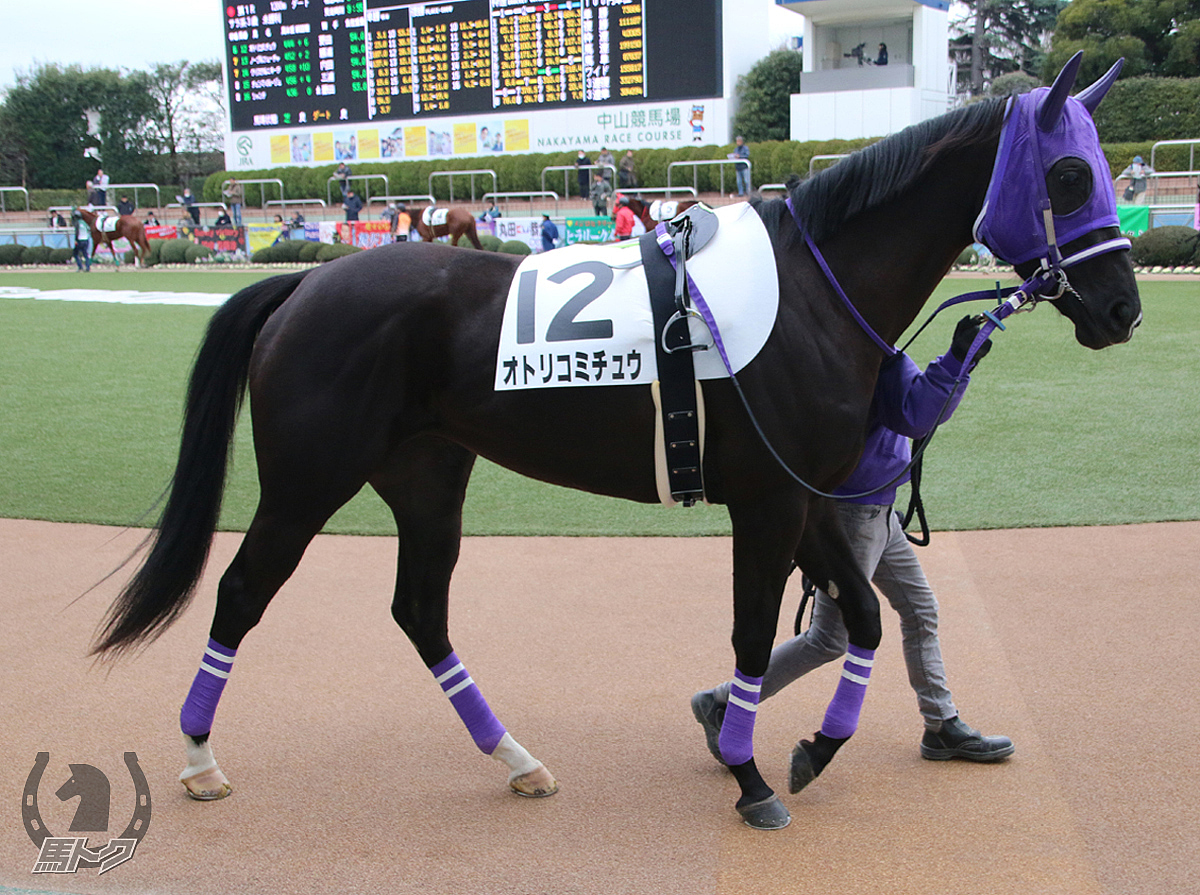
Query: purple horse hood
point(1011, 223)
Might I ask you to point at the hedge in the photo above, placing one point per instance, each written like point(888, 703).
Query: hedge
point(1147, 109)
point(1167, 247)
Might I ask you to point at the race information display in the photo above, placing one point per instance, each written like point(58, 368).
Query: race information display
point(297, 62)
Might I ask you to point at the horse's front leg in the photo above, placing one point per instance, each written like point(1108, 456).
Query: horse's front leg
point(765, 536)
point(829, 560)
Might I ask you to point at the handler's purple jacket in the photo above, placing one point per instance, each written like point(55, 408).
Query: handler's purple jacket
point(905, 405)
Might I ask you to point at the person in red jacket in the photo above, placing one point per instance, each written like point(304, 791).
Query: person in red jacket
point(625, 218)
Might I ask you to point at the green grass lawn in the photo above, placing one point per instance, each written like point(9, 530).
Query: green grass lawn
point(1049, 433)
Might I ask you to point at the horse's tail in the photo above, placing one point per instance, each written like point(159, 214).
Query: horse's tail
point(163, 585)
point(473, 236)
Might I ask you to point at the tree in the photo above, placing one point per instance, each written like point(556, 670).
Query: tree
point(1155, 37)
point(764, 97)
point(57, 125)
point(997, 37)
point(187, 114)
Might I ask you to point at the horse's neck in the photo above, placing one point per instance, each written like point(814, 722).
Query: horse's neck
point(891, 258)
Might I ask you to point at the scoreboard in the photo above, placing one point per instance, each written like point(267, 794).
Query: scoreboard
point(311, 62)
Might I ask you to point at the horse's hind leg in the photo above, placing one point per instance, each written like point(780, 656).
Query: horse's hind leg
point(270, 551)
point(425, 488)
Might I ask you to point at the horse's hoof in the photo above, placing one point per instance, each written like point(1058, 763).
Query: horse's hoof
point(207, 786)
point(769, 814)
point(536, 784)
point(802, 770)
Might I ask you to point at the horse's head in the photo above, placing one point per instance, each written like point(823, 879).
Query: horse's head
point(1051, 208)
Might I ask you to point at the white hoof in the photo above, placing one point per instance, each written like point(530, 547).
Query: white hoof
point(202, 777)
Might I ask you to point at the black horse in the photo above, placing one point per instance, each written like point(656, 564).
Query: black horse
point(379, 369)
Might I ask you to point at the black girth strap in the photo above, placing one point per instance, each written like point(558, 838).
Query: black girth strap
point(676, 373)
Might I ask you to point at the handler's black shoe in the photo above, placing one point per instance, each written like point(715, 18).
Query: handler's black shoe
point(710, 712)
point(959, 740)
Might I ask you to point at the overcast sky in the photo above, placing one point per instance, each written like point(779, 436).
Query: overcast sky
point(96, 33)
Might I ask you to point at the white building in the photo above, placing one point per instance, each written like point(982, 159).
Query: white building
point(848, 90)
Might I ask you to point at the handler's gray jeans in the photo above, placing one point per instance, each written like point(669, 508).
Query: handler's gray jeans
point(885, 554)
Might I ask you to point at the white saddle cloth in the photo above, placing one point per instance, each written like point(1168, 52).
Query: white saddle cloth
point(434, 216)
point(574, 318)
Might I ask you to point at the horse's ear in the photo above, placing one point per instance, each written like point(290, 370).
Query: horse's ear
point(1091, 96)
point(1052, 105)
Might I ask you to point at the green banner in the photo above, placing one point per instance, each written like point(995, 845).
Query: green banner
point(591, 229)
point(1134, 219)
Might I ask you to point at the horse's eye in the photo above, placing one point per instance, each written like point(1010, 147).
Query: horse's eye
point(1069, 178)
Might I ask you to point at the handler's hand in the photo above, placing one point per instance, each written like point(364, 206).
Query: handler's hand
point(964, 334)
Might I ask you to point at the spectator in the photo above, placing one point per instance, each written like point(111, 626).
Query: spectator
point(490, 213)
point(627, 176)
point(56, 220)
point(101, 183)
point(152, 220)
point(353, 205)
point(606, 158)
point(342, 173)
point(284, 232)
point(1138, 172)
point(95, 198)
point(389, 214)
point(549, 233)
point(124, 205)
point(188, 201)
point(234, 194)
point(297, 221)
point(582, 163)
point(741, 151)
point(599, 195)
point(223, 219)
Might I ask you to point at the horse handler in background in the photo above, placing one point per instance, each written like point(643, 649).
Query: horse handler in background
point(907, 405)
point(83, 241)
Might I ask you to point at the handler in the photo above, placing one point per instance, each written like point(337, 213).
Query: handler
point(906, 405)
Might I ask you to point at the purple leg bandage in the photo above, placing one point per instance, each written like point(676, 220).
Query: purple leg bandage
point(196, 716)
point(841, 718)
point(737, 730)
point(464, 695)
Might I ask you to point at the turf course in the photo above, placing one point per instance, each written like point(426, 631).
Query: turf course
point(1049, 434)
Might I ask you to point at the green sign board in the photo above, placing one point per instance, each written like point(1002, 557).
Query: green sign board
point(590, 229)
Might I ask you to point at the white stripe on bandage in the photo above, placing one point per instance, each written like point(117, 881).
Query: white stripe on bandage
point(220, 657)
point(215, 672)
point(851, 676)
point(743, 704)
point(461, 685)
point(446, 675)
point(858, 660)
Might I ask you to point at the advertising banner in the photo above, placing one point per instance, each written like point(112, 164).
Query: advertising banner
point(219, 239)
point(527, 230)
point(589, 229)
point(365, 234)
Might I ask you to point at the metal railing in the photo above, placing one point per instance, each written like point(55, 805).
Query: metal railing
point(471, 172)
point(825, 158)
point(410, 197)
point(181, 206)
point(62, 238)
point(1193, 143)
point(774, 187)
point(13, 189)
point(637, 191)
point(262, 192)
point(366, 197)
point(576, 168)
point(114, 188)
point(695, 165)
point(528, 195)
point(60, 208)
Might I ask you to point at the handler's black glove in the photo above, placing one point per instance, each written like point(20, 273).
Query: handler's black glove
point(964, 334)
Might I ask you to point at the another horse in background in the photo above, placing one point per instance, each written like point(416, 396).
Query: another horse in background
point(651, 213)
point(126, 226)
point(456, 223)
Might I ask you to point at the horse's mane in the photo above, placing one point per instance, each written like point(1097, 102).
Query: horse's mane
point(882, 171)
